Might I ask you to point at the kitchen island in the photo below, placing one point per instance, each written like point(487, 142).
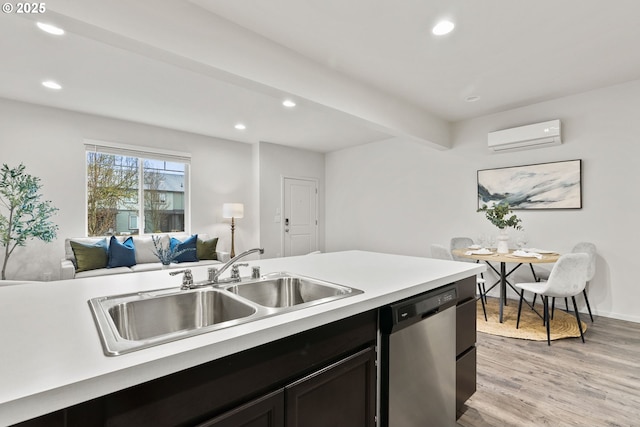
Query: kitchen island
point(52, 357)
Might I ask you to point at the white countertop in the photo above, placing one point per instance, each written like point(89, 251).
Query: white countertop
point(51, 356)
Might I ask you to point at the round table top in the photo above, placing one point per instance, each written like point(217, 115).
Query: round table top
point(510, 257)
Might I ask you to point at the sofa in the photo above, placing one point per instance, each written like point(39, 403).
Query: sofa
point(107, 255)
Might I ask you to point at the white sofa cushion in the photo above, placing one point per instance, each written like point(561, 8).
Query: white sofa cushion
point(102, 272)
point(147, 266)
point(145, 249)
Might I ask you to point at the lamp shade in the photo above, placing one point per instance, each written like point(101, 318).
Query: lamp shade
point(232, 210)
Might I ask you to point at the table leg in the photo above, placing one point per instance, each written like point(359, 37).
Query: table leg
point(503, 287)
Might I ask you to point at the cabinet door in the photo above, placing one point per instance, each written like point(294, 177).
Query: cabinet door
point(266, 411)
point(341, 395)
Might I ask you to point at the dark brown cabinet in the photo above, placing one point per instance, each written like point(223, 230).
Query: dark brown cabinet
point(342, 395)
point(465, 342)
point(267, 411)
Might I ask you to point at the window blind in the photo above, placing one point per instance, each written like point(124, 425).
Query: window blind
point(137, 151)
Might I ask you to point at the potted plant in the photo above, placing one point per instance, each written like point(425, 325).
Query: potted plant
point(502, 217)
point(23, 215)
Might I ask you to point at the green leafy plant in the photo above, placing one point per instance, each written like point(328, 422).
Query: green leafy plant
point(23, 215)
point(501, 216)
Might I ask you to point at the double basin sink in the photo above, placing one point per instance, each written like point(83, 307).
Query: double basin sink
point(140, 320)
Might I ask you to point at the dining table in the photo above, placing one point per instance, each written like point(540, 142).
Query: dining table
point(519, 257)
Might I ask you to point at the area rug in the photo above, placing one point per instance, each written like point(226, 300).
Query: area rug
point(563, 324)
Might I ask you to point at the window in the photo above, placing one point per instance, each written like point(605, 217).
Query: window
point(132, 190)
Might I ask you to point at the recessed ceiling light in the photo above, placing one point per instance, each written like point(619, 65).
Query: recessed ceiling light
point(51, 84)
point(472, 98)
point(51, 29)
point(240, 126)
point(443, 27)
point(288, 103)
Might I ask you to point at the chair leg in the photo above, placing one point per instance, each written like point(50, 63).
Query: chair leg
point(484, 290)
point(566, 304)
point(520, 309)
point(534, 299)
point(553, 306)
point(584, 292)
point(575, 307)
point(546, 315)
point(484, 309)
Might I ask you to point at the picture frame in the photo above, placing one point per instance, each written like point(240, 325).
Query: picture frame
point(552, 185)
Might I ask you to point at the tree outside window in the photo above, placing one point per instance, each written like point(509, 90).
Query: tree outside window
point(117, 192)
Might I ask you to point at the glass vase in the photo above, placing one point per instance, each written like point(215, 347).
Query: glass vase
point(503, 242)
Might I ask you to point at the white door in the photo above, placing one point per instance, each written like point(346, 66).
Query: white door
point(300, 225)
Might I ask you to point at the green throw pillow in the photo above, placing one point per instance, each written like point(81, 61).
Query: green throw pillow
point(90, 257)
point(206, 249)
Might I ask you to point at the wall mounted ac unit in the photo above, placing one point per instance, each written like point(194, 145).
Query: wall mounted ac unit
point(537, 135)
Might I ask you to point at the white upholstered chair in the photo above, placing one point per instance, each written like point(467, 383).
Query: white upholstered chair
point(460, 243)
point(440, 252)
point(567, 279)
point(582, 247)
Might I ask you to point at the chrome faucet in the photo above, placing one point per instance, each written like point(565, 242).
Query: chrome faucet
point(214, 274)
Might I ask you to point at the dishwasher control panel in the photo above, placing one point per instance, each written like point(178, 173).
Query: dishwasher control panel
point(424, 305)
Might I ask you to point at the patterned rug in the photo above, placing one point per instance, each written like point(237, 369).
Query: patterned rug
point(563, 324)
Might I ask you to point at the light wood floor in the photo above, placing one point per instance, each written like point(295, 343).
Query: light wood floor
point(527, 383)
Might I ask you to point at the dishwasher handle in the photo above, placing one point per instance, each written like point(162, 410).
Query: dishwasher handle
point(430, 313)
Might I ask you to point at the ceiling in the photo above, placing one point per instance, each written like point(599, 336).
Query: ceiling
point(359, 70)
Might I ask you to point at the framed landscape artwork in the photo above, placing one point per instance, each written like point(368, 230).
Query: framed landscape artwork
point(556, 185)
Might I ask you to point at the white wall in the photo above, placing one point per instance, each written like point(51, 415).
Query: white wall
point(400, 197)
point(50, 143)
point(275, 163)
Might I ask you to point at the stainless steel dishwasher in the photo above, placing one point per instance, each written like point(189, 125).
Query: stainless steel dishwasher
point(418, 360)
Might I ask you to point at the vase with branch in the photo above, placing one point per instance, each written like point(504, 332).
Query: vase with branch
point(502, 217)
point(165, 253)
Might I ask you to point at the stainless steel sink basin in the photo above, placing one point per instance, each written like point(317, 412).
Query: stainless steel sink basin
point(135, 321)
point(283, 290)
point(151, 317)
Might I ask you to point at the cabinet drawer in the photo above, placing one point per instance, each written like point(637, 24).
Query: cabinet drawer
point(465, 378)
point(465, 325)
point(466, 288)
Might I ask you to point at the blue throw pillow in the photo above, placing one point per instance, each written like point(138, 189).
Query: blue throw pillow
point(121, 254)
point(188, 246)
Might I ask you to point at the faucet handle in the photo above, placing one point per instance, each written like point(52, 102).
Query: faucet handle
point(187, 279)
point(211, 273)
point(235, 269)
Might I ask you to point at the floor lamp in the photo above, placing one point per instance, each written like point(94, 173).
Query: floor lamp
point(233, 211)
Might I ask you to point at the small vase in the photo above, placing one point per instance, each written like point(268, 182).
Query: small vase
point(503, 242)
point(165, 266)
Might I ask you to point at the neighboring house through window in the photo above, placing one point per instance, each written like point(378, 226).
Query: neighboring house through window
point(135, 190)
